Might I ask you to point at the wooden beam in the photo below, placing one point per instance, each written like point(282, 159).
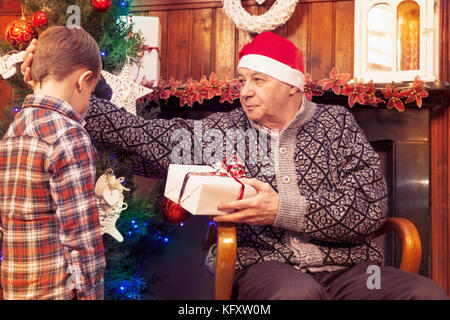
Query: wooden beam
point(146, 5)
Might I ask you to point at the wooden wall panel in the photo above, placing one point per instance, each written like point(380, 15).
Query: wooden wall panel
point(320, 40)
point(242, 36)
point(225, 39)
point(297, 30)
point(344, 36)
point(202, 44)
point(179, 44)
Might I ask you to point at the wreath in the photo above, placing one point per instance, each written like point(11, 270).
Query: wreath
point(278, 14)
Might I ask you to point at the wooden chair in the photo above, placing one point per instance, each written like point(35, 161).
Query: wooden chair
point(225, 235)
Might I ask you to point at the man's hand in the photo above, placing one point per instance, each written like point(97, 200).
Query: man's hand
point(26, 65)
point(256, 211)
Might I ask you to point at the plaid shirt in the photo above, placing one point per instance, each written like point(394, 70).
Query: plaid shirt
point(52, 244)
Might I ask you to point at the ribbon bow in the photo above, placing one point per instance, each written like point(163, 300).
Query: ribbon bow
point(230, 167)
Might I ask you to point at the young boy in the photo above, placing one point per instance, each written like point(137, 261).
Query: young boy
point(52, 244)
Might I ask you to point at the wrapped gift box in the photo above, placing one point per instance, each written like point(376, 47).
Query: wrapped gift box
point(150, 27)
point(202, 194)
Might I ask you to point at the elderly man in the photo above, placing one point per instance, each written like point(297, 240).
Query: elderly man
point(306, 234)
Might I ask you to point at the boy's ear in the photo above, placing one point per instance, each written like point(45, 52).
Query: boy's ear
point(84, 79)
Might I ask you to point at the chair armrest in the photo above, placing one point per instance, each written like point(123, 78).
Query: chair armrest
point(411, 244)
point(224, 234)
point(226, 260)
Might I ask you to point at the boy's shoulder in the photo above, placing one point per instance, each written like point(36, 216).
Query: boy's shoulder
point(45, 124)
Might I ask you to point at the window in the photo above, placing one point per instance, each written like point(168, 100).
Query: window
point(396, 40)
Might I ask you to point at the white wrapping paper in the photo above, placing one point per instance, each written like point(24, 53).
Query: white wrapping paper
point(203, 193)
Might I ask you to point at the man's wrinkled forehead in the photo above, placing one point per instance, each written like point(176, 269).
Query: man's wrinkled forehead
point(246, 72)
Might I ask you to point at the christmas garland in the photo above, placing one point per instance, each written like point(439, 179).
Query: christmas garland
point(358, 92)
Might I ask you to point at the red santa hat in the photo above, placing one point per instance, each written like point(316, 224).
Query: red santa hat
point(275, 56)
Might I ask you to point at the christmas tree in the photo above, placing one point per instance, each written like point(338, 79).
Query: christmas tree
point(142, 225)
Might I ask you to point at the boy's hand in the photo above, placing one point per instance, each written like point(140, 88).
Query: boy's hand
point(26, 65)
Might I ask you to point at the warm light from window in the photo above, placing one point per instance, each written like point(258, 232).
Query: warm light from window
point(408, 36)
point(380, 55)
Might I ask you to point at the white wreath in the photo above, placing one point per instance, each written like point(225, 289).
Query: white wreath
point(279, 13)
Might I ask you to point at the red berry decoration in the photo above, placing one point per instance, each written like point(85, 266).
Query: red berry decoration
point(20, 33)
point(40, 19)
point(101, 5)
point(172, 212)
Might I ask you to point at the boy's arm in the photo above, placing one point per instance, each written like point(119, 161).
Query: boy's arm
point(72, 169)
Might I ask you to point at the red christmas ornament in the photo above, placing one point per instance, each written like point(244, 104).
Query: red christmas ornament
point(101, 5)
point(172, 212)
point(20, 33)
point(40, 19)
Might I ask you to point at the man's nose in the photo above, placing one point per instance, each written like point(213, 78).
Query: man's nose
point(247, 90)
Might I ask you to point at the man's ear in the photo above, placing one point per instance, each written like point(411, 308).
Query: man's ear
point(84, 79)
point(293, 90)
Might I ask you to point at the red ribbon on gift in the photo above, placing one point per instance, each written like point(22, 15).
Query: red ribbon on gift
point(231, 167)
point(144, 48)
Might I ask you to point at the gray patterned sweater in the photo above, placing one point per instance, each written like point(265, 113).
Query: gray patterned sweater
point(332, 192)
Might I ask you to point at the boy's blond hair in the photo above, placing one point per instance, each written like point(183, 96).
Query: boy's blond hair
point(60, 51)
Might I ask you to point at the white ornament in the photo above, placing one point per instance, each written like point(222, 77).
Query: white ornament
point(125, 90)
point(260, 1)
point(109, 198)
point(278, 14)
point(8, 62)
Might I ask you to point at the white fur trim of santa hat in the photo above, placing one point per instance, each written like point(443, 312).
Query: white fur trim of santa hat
point(273, 68)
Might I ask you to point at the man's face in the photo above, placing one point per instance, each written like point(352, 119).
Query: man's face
point(263, 98)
